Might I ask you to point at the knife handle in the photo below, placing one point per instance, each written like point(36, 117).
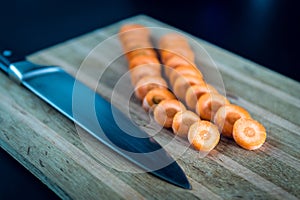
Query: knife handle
point(23, 70)
point(4, 62)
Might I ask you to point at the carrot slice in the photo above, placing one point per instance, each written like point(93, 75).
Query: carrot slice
point(168, 69)
point(183, 82)
point(134, 28)
point(137, 52)
point(208, 104)
point(177, 60)
point(131, 40)
point(249, 134)
point(155, 96)
point(227, 115)
point(141, 60)
point(147, 83)
point(134, 37)
point(141, 71)
point(194, 92)
point(182, 122)
point(184, 70)
point(164, 112)
point(186, 53)
point(203, 135)
point(132, 46)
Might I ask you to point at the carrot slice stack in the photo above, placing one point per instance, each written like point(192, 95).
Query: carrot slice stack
point(189, 86)
point(175, 51)
point(144, 66)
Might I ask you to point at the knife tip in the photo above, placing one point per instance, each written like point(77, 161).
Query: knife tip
point(188, 186)
point(179, 179)
point(185, 185)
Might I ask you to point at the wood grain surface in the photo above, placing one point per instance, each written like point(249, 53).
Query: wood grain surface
point(75, 166)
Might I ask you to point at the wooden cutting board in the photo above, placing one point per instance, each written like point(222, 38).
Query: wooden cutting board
point(55, 151)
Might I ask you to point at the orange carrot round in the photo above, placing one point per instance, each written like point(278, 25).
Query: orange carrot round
point(249, 133)
point(182, 122)
point(164, 112)
point(134, 29)
point(183, 82)
point(208, 104)
point(177, 60)
point(155, 96)
point(137, 52)
point(168, 70)
point(134, 36)
point(184, 70)
point(227, 115)
point(136, 45)
point(203, 135)
point(186, 53)
point(194, 92)
point(141, 60)
point(147, 83)
point(141, 71)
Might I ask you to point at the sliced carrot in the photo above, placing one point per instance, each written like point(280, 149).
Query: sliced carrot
point(147, 83)
point(168, 69)
point(134, 28)
point(186, 53)
point(183, 82)
point(134, 37)
point(194, 92)
point(141, 60)
point(249, 134)
point(131, 46)
point(227, 115)
point(128, 27)
point(155, 96)
point(177, 60)
point(131, 43)
point(141, 71)
point(208, 104)
point(149, 52)
point(182, 122)
point(164, 112)
point(203, 135)
point(174, 44)
point(184, 70)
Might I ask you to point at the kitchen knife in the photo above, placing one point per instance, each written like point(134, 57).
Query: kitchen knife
point(97, 116)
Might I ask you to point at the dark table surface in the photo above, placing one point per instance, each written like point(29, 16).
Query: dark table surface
point(264, 31)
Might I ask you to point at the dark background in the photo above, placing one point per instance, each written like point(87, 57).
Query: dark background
point(264, 31)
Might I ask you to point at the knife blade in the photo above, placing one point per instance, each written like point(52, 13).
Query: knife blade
point(97, 116)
